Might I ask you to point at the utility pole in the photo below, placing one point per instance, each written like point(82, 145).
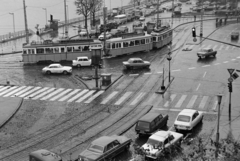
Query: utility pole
point(66, 25)
point(104, 23)
point(157, 13)
point(230, 97)
point(13, 29)
point(219, 97)
point(201, 28)
point(25, 18)
point(46, 14)
point(172, 11)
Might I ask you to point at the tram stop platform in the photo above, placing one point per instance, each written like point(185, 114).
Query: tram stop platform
point(8, 107)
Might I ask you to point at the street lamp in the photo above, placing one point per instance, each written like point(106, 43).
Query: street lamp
point(219, 98)
point(45, 13)
point(169, 58)
point(13, 27)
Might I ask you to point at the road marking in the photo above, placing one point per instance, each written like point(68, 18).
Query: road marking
point(52, 94)
point(8, 90)
point(177, 70)
point(44, 93)
point(6, 87)
point(94, 96)
point(203, 102)
point(215, 47)
point(171, 99)
point(69, 95)
point(177, 110)
point(238, 57)
point(85, 96)
point(204, 74)
point(159, 72)
point(208, 46)
point(123, 98)
point(198, 86)
point(34, 94)
point(29, 92)
point(133, 74)
point(147, 73)
point(205, 66)
point(179, 103)
point(227, 47)
point(233, 47)
point(202, 46)
point(114, 93)
point(192, 101)
point(150, 100)
point(221, 47)
point(233, 59)
point(1, 87)
point(217, 64)
point(60, 95)
point(192, 68)
point(138, 98)
point(78, 95)
point(215, 105)
point(24, 90)
point(225, 62)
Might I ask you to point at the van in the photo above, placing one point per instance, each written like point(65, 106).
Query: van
point(150, 123)
point(120, 19)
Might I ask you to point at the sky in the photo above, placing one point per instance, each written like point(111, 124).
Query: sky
point(36, 14)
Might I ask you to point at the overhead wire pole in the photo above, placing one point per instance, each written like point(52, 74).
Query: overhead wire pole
point(172, 11)
point(45, 14)
point(25, 18)
point(13, 29)
point(66, 25)
point(104, 27)
point(157, 13)
point(201, 27)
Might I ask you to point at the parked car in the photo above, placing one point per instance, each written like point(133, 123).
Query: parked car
point(206, 52)
point(123, 29)
point(137, 24)
point(82, 61)
point(160, 142)
point(142, 18)
point(83, 32)
point(115, 32)
point(234, 35)
point(136, 63)
point(101, 37)
point(150, 123)
point(105, 148)
point(187, 119)
point(57, 68)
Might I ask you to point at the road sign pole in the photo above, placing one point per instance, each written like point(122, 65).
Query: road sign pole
point(229, 107)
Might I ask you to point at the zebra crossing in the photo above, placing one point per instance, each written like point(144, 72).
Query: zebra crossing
point(214, 47)
point(175, 101)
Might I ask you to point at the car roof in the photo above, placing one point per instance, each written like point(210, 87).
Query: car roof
point(188, 112)
point(54, 64)
point(103, 141)
point(160, 135)
point(83, 57)
point(135, 59)
point(206, 48)
point(149, 117)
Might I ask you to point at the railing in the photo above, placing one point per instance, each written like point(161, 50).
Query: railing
point(13, 36)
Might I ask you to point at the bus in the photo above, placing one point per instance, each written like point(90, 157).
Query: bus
point(61, 50)
point(44, 155)
point(128, 44)
point(121, 19)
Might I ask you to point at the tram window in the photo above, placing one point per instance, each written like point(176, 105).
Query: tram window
point(120, 45)
point(56, 50)
point(113, 45)
point(131, 43)
point(49, 50)
point(40, 51)
point(154, 39)
point(86, 48)
point(143, 41)
point(147, 41)
point(125, 44)
point(108, 45)
point(29, 51)
point(33, 51)
point(69, 49)
point(24, 51)
point(62, 50)
point(137, 42)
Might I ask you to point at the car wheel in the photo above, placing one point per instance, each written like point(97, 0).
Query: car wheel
point(65, 72)
point(48, 72)
point(79, 65)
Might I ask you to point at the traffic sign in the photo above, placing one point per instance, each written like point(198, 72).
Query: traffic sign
point(194, 39)
point(231, 71)
point(230, 79)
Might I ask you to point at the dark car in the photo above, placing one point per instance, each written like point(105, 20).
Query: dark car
point(234, 35)
point(105, 148)
point(150, 123)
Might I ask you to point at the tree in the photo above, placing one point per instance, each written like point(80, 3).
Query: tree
point(96, 5)
point(135, 2)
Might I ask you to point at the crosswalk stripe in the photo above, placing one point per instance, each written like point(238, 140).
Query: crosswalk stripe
point(85, 96)
point(6, 87)
point(214, 105)
point(203, 102)
point(1, 87)
point(214, 48)
point(137, 99)
point(171, 99)
point(114, 93)
point(179, 103)
point(29, 92)
point(227, 47)
point(127, 94)
point(192, 101)
point(78, 95)
point(52, 94)
point(233, 47)
point(60, 95)
point(36, 93)
point(70, 94)
point(221, 47)
point(14, 91)
point(22, 91)
point(150, 100)
point(8, 90)
point(203, 46)
point(94, 96)
point(208, 46)
point(44, 93)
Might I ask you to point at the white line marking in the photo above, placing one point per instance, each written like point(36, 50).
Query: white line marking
point(215, 105)
point(114, 93)
point(123, 98)
point(208, 46)
point(94, 96)
point(205, 66)
point(233, 47)
point(225, 62)
point(52, 94)
point(217, 64)
point(44, 93)
point(162, 72)
point(21, 92)
point(8, 90)
point(171, 99)
point(138, 98)
point(238, 57)
point(150, 100)
point(147, 73)
point(177, 110)
point(215, 47)
point(69, 95)
point(1, 87)
point(204, 74)
point(221, 47)
point(198, 87)
point(78, 95)
point(179, 103)
point(192, 68)
point(177, 70)
point(29, 92)
point(85, 96)
point(233, 59)
point(133, 74)
point(203, 102)
point(34, 94)
point(192, 101)
point(227, 47)
point(60, 95)
point(5, 88)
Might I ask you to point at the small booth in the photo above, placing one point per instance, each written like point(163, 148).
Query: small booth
point(106, 79)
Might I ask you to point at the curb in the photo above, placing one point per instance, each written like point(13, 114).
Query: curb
point(8, 119)
point(163, 91)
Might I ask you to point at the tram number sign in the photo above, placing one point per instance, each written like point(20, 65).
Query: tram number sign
point(194, 39)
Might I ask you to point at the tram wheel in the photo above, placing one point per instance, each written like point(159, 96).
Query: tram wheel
point(48, 72)
point(65, 72)
point(79, 65)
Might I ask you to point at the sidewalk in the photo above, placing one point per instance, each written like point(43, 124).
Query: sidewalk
point(8, 107)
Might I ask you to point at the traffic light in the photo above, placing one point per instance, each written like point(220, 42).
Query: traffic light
point(51, 18)
point(230, 87)
point(194, 32)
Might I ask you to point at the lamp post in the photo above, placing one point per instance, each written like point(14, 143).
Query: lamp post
point(219, 98)
point(13, 28)
point(45, 14)
point(169, 58)
point(201, 28)
point(172, 11)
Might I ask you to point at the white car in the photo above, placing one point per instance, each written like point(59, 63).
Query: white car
point(108, 36)
point(142, 18)
point(83, 32)
point(187, 119)
point(159, 142)
point(82, 61)
point(57, 68)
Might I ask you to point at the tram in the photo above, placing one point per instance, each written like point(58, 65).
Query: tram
point(161, 39)
point(62, 50)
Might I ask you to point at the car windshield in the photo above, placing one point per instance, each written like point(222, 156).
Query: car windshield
point(154, 142)
point(205, 50)
point(143, 125)
point(96, 148)
point(183, 118)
